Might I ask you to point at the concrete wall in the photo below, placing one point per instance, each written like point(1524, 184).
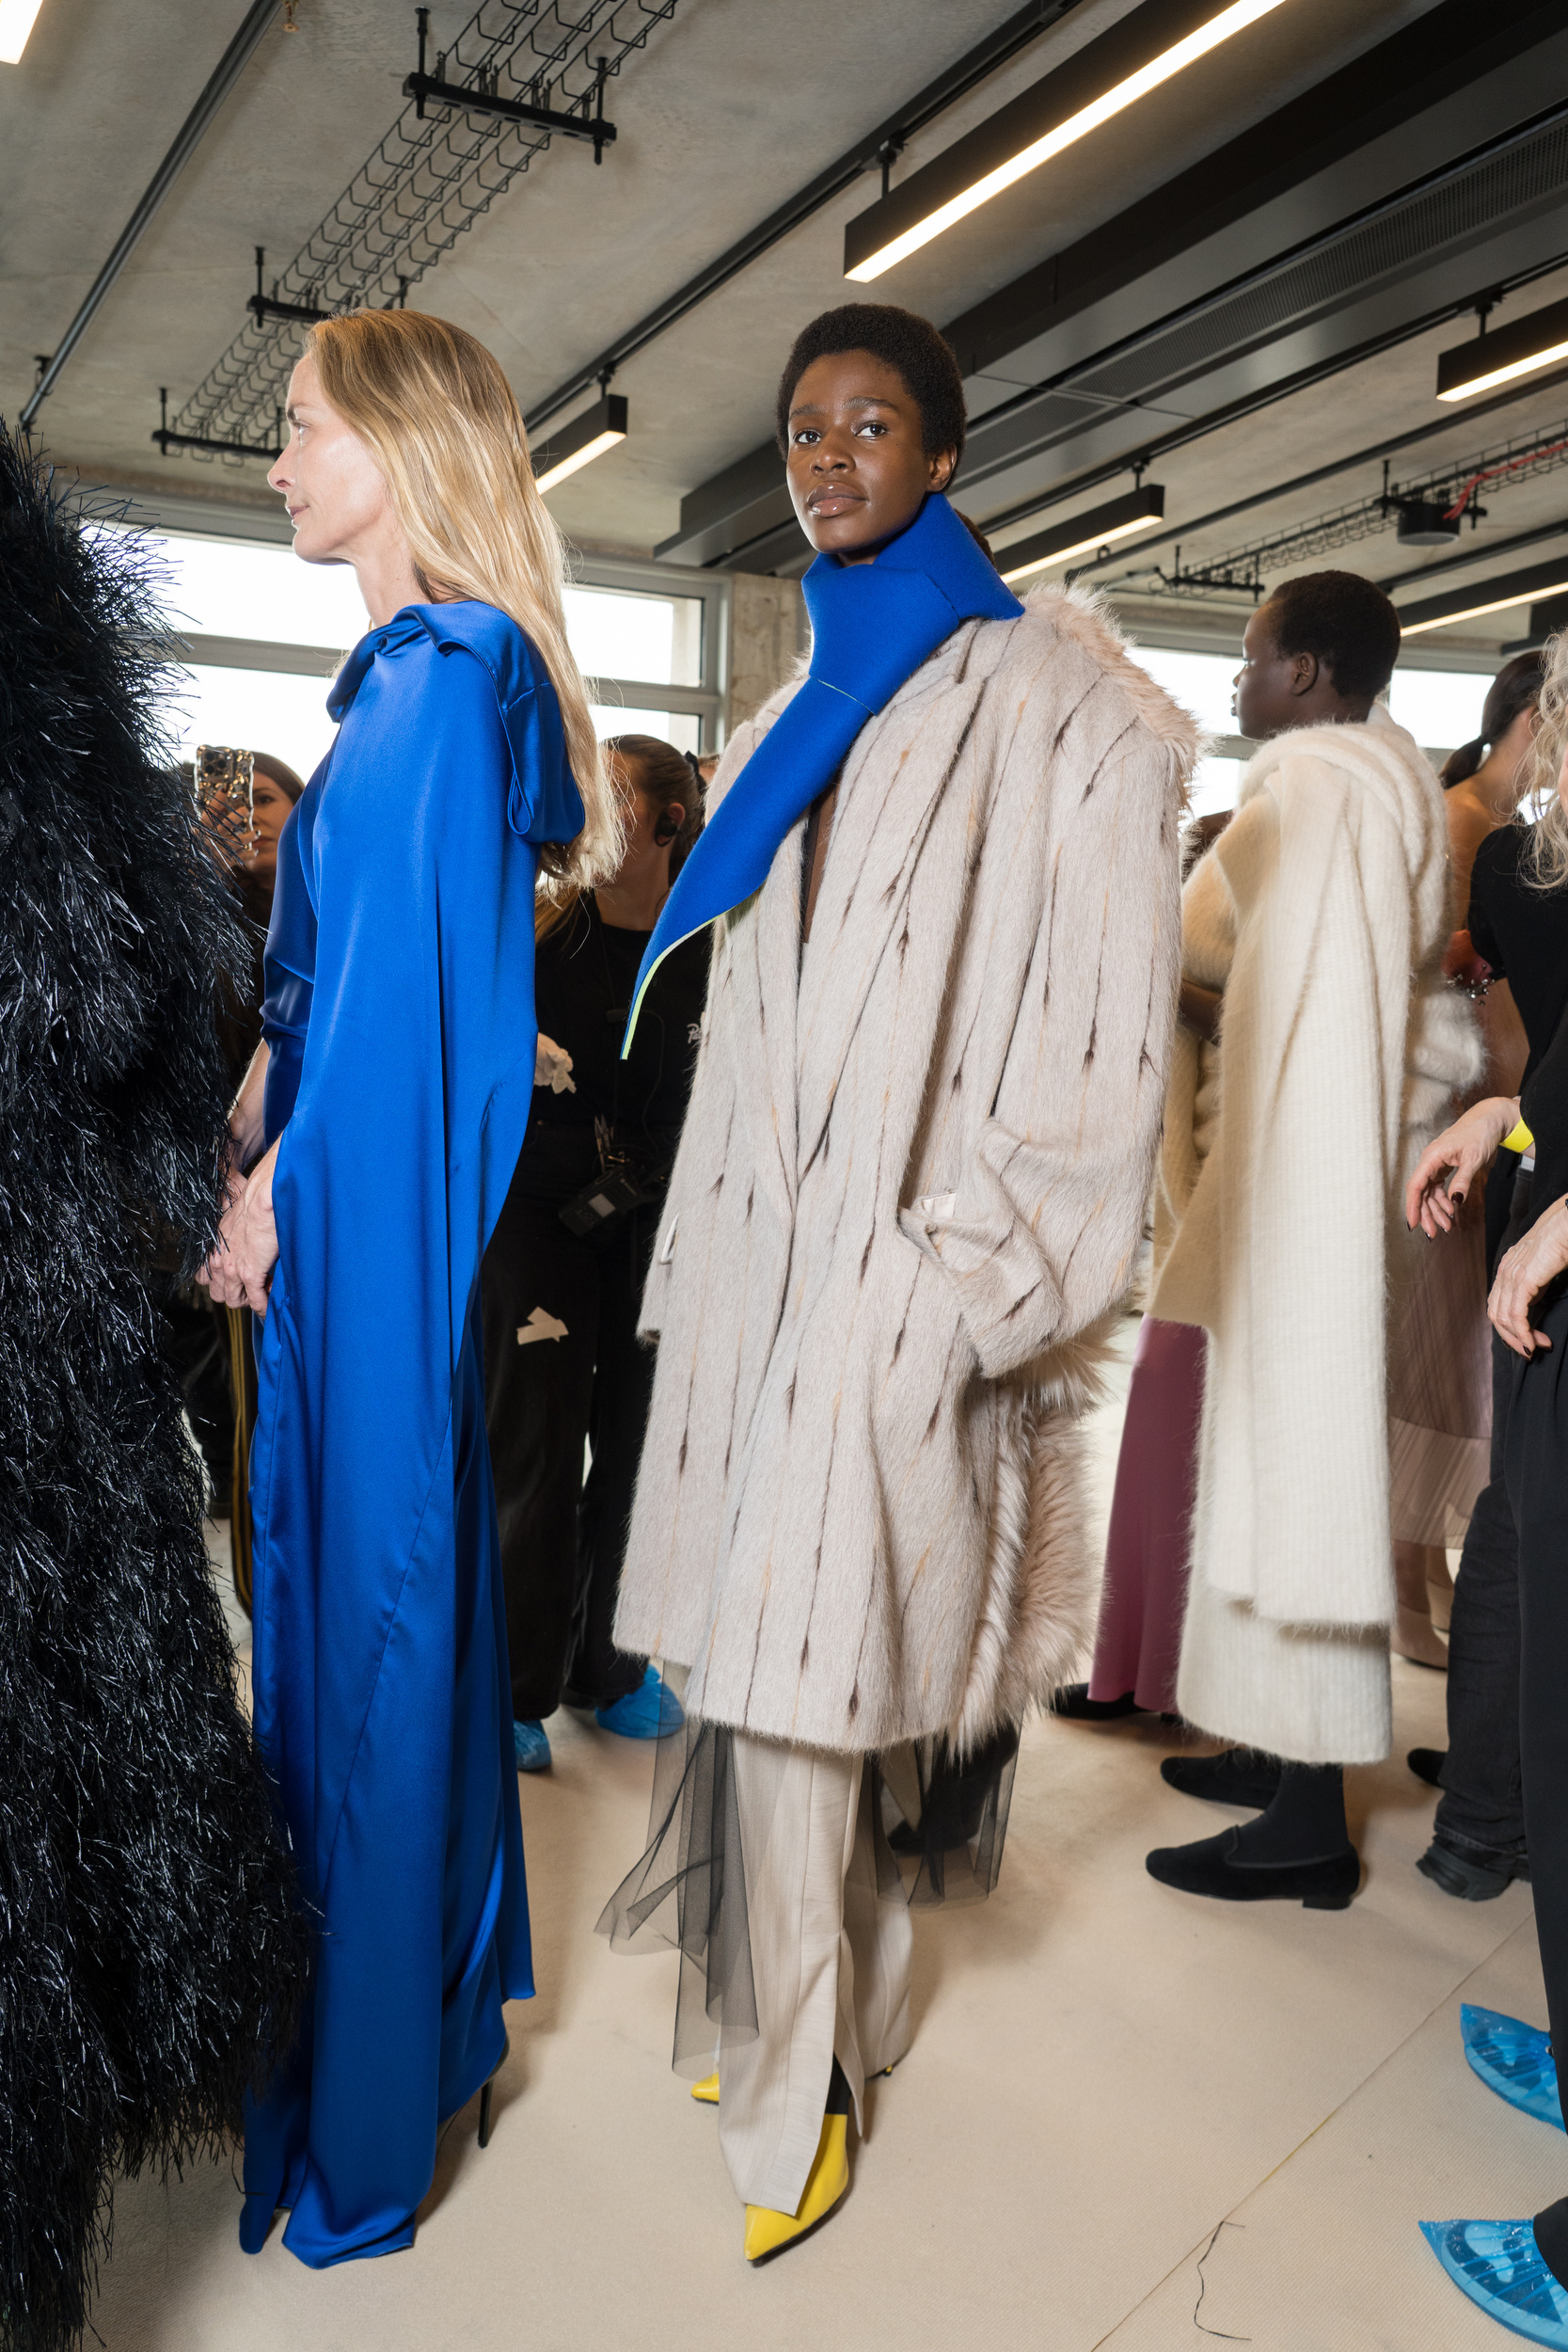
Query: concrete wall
point(768, 632)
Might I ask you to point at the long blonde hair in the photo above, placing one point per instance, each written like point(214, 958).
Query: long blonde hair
point(1547, 856)
point(440, 420)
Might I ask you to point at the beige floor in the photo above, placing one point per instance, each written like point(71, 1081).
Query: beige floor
point(1105, 2075)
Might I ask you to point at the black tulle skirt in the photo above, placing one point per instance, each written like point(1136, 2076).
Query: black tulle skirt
point(939, 1822)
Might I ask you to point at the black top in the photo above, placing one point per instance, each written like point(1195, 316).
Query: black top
point(584, 977)
point(1543, 1108)
point(1523, 934)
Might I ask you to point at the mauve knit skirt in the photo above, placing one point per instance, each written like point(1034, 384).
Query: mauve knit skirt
point(1143, 1598)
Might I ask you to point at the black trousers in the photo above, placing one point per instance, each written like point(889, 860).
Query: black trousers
point(563, 1368)
point(1482, 1811)
point(1536, 1464)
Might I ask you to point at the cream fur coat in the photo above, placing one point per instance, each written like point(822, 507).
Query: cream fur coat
point(911, 1180)
point(1324, 913)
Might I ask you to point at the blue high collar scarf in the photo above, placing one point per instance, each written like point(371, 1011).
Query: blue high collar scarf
point(872, 625)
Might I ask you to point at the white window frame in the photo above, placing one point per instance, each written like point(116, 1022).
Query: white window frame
point(707, 700)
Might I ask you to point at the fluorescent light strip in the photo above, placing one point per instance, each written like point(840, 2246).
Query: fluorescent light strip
point(1080, 546)
point(1506, 376)
point(1219, 28)
point(1499, 604)
point(578, 458)
point(17, 20)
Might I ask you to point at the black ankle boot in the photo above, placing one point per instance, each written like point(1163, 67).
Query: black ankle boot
point(1235, 1777)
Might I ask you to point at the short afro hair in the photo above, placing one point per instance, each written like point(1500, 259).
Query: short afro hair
point(1346, 621)
point(901, 339)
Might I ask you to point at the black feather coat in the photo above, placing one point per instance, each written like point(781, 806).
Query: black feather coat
point(151, 1947)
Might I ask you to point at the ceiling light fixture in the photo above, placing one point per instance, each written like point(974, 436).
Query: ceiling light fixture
point(578, 443)
point(1081, 533)
point(1034, 128)
point(1537, 342)
point(17, 20)
point(1529, 587)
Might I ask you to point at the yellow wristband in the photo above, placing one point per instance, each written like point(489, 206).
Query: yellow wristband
point(1518, 1138)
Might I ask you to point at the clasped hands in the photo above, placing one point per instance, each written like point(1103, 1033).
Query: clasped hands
point(240, 1268)
point(1436, 1191)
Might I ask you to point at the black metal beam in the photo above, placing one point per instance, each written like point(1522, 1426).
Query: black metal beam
point(221, 81)
point(1011, 36)
point(168, 440)
point(1535, 579)
point(427, 90)
point(265, 306)
point(1477, 553)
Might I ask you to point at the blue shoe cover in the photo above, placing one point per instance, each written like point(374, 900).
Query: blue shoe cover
point(1514, 2060)
point(646, 1713)
point(531, 1747)
point(1499, 2265)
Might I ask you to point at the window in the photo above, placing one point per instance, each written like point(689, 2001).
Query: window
point(1203, 683)
point(266, 633)
point(1439, 708)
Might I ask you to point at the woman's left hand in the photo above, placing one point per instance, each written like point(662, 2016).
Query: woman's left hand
point(1523, 1274)
point(240, 1268)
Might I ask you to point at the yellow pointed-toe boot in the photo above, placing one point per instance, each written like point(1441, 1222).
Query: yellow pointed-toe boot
point(707, 2092)
point(767, 2233)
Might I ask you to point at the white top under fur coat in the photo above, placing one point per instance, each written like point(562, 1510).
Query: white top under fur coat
point(1323, 912)
point(913, 1177)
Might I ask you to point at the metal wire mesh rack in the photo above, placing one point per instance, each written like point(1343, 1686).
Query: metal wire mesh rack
point(426, 181)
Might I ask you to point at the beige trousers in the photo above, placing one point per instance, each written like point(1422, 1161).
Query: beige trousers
point(830, 1962)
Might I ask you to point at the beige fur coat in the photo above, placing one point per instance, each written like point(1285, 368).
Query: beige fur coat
point(911, 1180)
point(1324, 913)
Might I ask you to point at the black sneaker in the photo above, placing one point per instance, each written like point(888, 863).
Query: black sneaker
point(1466, 1877)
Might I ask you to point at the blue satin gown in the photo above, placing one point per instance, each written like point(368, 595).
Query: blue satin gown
point(400, 1016)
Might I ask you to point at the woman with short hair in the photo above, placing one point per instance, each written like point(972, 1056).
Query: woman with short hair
point(381, 1126)
point(943, 865)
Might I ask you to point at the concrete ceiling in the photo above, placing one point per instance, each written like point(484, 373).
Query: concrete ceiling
point(732, 106)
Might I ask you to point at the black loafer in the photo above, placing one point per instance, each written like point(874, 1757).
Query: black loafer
point(1213, 1867)
point(1427, 1764)
point(1466, 1877)
point(1235, 1777)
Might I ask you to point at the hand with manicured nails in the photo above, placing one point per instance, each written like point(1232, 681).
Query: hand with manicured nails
point(1448, 1169)
point(1523, 1274)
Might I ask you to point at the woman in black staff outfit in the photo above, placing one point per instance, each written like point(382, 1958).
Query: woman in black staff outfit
point(564, 1271)
point(1517, 2270)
